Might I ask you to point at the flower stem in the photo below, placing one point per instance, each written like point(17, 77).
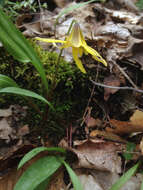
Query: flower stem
point(55, 77)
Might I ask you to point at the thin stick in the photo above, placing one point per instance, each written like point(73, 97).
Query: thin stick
point(53, 85)
point(89, 100)
point(41, 14)
point(125, 74)
point(116, 87)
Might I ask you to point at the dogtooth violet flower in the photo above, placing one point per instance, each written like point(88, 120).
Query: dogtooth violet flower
point(79, 46)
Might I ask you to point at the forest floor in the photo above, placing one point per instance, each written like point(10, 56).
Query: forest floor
point(98, 116)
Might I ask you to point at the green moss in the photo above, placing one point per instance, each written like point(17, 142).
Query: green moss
point(70, 93)
point(66, 72)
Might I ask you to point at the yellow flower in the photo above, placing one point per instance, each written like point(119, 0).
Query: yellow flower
point(79, 46)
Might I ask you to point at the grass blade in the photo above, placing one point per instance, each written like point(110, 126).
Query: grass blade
point(23, 92)
point(36, 151)
point(124, 178)
point(75, 181)
point(141, 186)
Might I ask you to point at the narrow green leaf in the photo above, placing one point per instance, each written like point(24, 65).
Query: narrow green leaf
point(129, 149)
point(73, 7)
point(17, 45)
point(36, 151)
point(23, 92)
point(43, 185)
point(38, 172)
point(124, 178)
point(141, 186)
point(139, 4)
point(5, 81)
point(2, 2)
point(76, 183)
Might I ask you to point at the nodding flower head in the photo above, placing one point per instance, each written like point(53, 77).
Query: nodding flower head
point(79, 46)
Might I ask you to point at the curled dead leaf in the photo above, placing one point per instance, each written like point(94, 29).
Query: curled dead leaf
point(107, 135)
point(99, 155)
point(126, 127)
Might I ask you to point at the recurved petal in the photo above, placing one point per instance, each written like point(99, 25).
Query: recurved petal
point(77, 60)
point(50, 40)
point(95, 54)
point(80, 51)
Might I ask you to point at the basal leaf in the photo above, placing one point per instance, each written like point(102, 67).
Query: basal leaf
point(124, 178)
point(36, 151)
point(43, 185)
point(139, 4)
point(5, 81)
point(37, 173)
point(23, 92)
point(75, 181)
point(141, 186)
point(17, 45)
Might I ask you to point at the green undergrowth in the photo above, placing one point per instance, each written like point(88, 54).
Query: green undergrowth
point(69, 96)
point(15, 8)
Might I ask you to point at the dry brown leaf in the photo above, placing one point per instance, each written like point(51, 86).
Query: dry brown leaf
point(137, 118)
point(9, 174)
point(5, 112)
point(128, 4)
point(127, 127)
point(23, 130)
point(6, 131)
point(12, 157)
point(107, 135)
point(61, 3)
point(141, 146)
point(99, 155)
point(116, 30)
point(91, 122)
point(110, 81)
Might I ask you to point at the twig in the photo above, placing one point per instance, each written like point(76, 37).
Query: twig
point(125, 74)
point(41, 16)
point(116, 87)
point(89, 100)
